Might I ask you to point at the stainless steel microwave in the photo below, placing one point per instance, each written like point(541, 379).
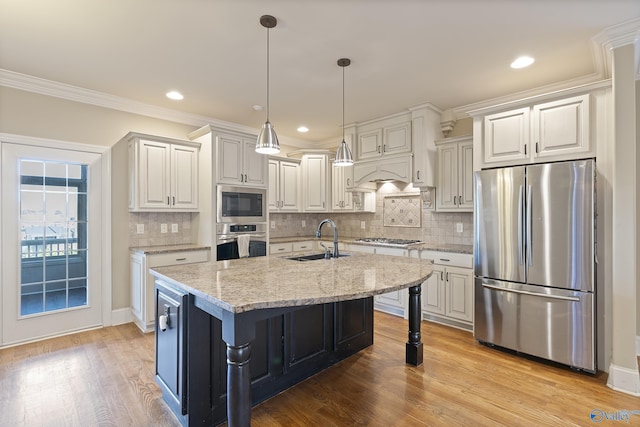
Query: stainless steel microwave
point(241, 204)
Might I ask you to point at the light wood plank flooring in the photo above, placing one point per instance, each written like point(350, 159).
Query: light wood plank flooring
point(105, 378)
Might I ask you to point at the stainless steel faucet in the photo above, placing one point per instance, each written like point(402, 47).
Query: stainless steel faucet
point(336, 254)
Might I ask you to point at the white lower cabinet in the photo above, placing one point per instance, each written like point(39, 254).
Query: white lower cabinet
point(142, 282)
point(288, 247)
point(447, 296)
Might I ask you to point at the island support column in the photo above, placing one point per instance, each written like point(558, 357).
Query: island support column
point(414, 344)
point(238, 332)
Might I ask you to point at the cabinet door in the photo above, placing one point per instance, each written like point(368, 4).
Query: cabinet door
point(370, 144)
point(433, 293)
point(254, 165)
point(397, 139)
point(289, 186)
point(353, 324)
point(184, 177)
point(154, 174)
point(561, 127)
point(308, 335)
point(342, 200)
point(315, 183)
point(273, 198)
point(465, 176)
point(230, 159)
point(459, 293)
point(447, 191)
point(506, 136)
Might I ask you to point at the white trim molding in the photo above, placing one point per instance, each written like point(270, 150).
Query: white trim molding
point(624, 379)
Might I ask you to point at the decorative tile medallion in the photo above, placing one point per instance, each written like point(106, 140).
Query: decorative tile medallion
point(405, 211)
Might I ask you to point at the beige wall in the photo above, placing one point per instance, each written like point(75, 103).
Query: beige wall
point(34, 115)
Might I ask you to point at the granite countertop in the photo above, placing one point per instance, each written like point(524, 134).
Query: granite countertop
point(275, 281)
point(460, 249)
point(154, 250)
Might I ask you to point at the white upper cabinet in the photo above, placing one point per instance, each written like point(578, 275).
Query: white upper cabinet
point(555, 130)
point(384, 137)
point(454, 188)
point(561, 127)
point(163, 174)
point(316, 187)
point(425, 130)
point(284, 185)
point(342, 200)
point(237, 161)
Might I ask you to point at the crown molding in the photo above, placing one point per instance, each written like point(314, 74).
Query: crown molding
point(603, 44)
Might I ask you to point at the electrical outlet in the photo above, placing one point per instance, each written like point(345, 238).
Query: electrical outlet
point(174, 228)
point(304, 223)
point(362, 225)
point(273, 224)
point(459, 227)
point(140, 228)
point(163, 228)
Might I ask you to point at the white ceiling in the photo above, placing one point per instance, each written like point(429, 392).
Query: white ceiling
point(450, 53)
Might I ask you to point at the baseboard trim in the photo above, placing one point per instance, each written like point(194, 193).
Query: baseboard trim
point(121, 316)
point(624, 379)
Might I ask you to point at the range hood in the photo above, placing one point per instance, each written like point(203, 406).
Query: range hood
point(389, 168)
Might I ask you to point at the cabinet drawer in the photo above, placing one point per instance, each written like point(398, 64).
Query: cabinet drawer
point(449, 258)
point(303, 246)
point(280, 248)
point(176, 258)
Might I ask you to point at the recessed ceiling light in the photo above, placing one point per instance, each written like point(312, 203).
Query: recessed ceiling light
point(257, 107)
point(175, 95)
point(303, 129)
point(521, 62)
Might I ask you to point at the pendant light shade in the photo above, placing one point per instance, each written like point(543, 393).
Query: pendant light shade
point(267, 142)
point(343, 155)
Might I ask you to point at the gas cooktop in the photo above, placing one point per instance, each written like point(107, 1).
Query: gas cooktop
point(387, 242)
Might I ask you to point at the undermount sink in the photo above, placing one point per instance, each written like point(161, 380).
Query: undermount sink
point(312, 257)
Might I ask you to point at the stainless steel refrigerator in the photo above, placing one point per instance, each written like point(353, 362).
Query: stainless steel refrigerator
point(534, 261)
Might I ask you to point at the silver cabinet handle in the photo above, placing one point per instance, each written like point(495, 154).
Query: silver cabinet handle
point(246, 179)
point(348, 181)
point(418, 175)
point(441, 276)
point(168, 200)
point(536, 148)
point(174, 200)
point(445, 259)
point(447, 276)
point(181, 259)
point(378, 149)
point(525, 149)
point(455, 201)
point(384, 148)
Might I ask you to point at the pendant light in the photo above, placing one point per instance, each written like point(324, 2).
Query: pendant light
point(267, 142)
point(343, 155)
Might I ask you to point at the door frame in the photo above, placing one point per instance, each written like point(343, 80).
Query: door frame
point(105, 155)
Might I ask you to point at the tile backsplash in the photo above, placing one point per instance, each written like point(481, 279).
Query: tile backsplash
point(437, 227)
point(152, 222)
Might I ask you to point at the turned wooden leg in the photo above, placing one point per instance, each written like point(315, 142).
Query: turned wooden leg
point(238, 385)
point(414, 345)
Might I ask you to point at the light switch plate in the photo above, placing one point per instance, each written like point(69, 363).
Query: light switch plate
point(174, 228)
point(140, 228)
point(273, 224)
point(304, 223)
point(163, 228)
point(459, 227)
point(362, 225)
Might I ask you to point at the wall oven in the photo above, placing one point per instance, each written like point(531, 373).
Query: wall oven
point(241, 205)
point(227, 236)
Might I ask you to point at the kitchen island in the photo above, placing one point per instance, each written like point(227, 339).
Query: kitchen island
point(241, 293)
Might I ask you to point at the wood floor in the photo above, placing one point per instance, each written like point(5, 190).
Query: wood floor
point(105, 378)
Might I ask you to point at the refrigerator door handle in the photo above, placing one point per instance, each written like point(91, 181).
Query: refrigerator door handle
point(520, 239)
point(529, 233)
point(535, 294)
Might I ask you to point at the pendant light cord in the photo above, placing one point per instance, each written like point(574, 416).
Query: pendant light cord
point(267, 74)
point(342, 103)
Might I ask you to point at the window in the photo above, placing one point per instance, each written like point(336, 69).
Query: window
point(53, 236)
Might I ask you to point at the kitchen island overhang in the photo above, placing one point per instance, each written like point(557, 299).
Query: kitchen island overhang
point(242, 292)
